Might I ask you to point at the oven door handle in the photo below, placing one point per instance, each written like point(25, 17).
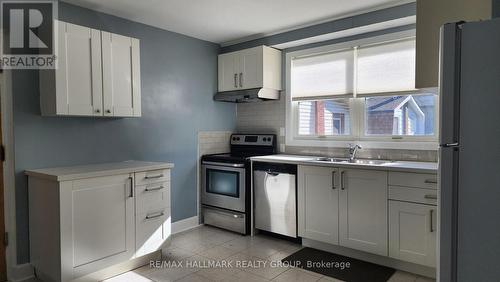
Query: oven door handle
point(223, 164)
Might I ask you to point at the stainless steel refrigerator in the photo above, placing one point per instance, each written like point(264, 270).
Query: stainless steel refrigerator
point(470, 152)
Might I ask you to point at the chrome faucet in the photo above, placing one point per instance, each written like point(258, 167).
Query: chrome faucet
point(353, 149)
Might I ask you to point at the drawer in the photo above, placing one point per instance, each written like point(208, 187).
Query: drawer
point(152, 231)
point(152, 197)
point(416, 195)
point(234, 221)
point(152, 176)
point(419, 180)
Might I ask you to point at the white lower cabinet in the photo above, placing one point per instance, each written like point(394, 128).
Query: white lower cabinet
point(412, 232)
point(344, 207)
point(385, 213)
point(318, 200)
point(363, 210)
point(83, 225)
point(100, 222)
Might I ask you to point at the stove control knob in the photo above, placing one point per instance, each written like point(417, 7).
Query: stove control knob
point(237, 138)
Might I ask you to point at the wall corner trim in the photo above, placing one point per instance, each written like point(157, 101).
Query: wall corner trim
point(185, 224)
point(22, 272)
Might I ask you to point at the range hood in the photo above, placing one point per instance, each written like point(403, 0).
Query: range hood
point(248, 95)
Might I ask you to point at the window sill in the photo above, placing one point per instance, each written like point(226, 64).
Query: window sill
point(396, 145)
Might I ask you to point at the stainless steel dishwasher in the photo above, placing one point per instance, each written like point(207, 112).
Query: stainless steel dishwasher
point(275, 198)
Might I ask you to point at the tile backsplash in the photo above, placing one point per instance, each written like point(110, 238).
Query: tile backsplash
point(270, 116)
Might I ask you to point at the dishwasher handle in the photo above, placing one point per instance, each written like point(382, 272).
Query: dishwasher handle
point(272, 173)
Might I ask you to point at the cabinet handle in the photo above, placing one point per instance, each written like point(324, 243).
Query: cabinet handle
point(235, 80)
point(108, 111)
point(131, 179)
point(241, 79)
point(154, 189)
point(154, 176)
point(430, 196)
point(333, 180)
point(154, 216)
point(342, 180)
point(432, 223)
point(97, 111)
point(430, 181)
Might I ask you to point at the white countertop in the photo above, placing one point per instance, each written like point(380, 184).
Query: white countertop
point(95, 170)
point(427, 167)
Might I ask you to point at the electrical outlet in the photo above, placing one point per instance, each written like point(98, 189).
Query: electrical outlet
point(282, 131)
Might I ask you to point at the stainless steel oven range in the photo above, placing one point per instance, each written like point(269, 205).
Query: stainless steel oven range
point(225, 189)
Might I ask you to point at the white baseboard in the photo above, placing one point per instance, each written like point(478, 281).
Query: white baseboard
point(185, 224)
point(21, 272)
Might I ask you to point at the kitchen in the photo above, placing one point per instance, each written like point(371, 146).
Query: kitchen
point(166, 137)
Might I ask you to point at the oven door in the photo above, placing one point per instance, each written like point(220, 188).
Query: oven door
point(223, 185)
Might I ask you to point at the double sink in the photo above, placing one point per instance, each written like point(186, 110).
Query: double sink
point(355, 161)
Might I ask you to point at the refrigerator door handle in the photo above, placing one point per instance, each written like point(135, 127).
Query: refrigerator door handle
point(450, 145)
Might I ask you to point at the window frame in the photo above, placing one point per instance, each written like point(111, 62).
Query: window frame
point(357, 106)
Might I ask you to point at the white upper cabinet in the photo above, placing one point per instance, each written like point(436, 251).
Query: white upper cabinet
point(250, 68)
point(318, 203)
point(121, 75)
point(98, 74)
point(229, 68)
point(431, 15)
point(363, 210)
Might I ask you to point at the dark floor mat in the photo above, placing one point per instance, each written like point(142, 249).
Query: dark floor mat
point(336, 266)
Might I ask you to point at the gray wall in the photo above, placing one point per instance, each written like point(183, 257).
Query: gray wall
point(179, 77)
point(495, 9)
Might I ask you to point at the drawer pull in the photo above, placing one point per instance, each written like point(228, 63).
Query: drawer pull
point(154, 176)
point(431, 196)
point(430, 181)
point(431, 213)
point(333, 180)
point(154, 216)
point(155, 188)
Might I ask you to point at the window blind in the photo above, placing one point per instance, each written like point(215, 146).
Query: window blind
point(323, 76)
point(385, 68)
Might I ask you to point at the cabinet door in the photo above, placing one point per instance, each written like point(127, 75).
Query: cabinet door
point(251, 68)
point(363, 210)
point(318, 198)
point(98, 220)
point(121, 75)
point(228, 71)
point(412, 232)
point(79, 76)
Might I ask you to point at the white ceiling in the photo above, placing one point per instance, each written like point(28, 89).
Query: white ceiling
point(223, 21)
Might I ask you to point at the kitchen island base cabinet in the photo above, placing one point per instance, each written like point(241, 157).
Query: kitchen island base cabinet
point(82, 224)
point(363, 210)
point(318, 213)
point(412, 232)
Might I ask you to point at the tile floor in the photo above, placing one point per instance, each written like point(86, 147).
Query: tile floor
point(198, 247)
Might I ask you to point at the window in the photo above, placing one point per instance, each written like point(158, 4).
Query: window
point(405, 115)
point(324, 118)
point(358, 92)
